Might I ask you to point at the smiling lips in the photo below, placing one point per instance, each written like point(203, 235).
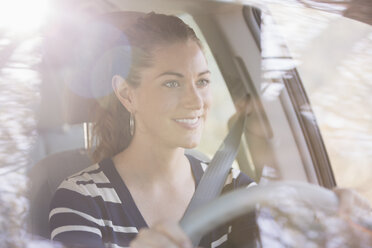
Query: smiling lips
point(189, 123)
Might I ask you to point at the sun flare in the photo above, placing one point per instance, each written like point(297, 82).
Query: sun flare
point(22, 16)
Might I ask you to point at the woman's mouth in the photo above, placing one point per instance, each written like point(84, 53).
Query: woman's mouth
point(189, 123)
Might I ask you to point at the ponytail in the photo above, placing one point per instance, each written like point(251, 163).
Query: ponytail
point(111, 127)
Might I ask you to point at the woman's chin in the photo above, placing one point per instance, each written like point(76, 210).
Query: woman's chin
point(190, 144)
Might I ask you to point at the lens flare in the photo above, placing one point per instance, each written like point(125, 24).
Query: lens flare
point(22, 16)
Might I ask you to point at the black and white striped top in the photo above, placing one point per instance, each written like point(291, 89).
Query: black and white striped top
point(94, 208)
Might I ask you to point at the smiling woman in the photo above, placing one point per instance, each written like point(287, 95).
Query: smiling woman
point(172, 102)
point(142, 181)
point(169, 84)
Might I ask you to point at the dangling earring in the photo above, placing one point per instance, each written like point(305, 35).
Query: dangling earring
point(131, 124)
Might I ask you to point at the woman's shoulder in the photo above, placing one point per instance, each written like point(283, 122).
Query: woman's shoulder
point(91, 181)
point(75, 192)
point(89, 174)
point(95, 184)
point(86, 172)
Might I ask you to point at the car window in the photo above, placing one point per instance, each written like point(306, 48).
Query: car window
point(333, 57)
point(222, 108)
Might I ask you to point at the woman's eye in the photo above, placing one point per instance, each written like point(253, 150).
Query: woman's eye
point(172, 84)
point(202, 83)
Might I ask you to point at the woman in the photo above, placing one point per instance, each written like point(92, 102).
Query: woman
point(143, 181)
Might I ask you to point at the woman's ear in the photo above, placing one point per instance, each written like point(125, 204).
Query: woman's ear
point(124, 92)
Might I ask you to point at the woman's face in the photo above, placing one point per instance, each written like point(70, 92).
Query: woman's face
point(171, 104)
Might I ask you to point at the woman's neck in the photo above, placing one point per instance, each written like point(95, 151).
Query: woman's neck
point(151, 162)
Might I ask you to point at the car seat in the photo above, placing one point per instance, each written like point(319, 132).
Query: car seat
point(44, 179)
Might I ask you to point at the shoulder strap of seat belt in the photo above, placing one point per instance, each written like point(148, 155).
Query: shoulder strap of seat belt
point(213, 179)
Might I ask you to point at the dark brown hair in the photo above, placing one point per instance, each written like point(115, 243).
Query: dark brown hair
point(150, 31)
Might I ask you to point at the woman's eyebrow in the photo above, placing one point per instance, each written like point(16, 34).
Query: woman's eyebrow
point(172, 73)
point(204, 72)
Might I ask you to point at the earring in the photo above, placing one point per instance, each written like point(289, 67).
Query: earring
point(131, 124)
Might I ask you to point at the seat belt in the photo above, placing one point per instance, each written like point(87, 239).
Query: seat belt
point(214, 178)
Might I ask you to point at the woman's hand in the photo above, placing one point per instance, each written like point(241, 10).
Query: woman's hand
point(350, 202)
point(354, 208)
point(244, 105)
point(165, 235)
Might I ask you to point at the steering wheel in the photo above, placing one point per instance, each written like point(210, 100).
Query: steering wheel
point(242, 201)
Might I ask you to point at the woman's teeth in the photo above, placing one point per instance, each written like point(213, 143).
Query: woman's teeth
point(188, 121)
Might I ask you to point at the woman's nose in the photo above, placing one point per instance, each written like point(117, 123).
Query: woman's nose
point(193, 98)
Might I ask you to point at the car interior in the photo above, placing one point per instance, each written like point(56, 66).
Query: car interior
point(279, 142)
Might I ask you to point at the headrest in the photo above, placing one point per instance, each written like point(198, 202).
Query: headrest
point(92, 51)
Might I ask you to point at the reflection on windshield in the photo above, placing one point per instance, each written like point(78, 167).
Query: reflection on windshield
point(290, 221)
point(333, 57)
point(340, 92)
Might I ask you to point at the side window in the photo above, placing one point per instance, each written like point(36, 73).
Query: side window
point(334, 58)
point(222, 110)
point(222, 107)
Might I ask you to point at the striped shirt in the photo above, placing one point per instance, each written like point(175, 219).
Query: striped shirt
point(94, 208)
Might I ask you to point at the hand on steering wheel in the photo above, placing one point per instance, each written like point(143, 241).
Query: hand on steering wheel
point(320, 227)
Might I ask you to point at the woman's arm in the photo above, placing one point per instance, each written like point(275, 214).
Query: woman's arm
point(74, 220)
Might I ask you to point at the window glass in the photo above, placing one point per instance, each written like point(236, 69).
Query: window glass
point(222, 109)
point(334, 56)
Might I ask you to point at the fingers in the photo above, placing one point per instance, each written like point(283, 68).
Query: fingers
point(350, 202)
point(165, 235)
point(244, 105)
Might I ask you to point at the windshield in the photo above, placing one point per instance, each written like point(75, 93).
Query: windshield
point(332, 54)
point(333, 57)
